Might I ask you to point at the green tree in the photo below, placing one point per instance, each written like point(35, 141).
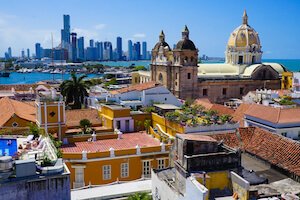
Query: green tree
point(140, 196)
point(34, 130)
point(75, 90)
point(84, 125)
point(139, 68)
point(147, 124)
point(112, 81)
point(139, 125)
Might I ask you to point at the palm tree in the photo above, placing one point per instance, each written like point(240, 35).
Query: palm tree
point(140, 196)
point(75, 90)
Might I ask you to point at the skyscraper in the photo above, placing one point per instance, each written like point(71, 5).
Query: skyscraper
point(99, 46)
point(91, 43)
point(144, 44)
point(130, 51)
point(80, 43)
point(65, 32)
point(23, 53)
point(74, 47)
point(9, 52)
point(119, 48)
point(107, 52)
point(38, 51)
point(137, 51)
point(28, 53)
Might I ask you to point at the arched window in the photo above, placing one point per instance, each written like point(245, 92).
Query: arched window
point(160, 77)
point(192, 59)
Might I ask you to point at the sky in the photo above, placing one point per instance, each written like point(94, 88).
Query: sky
point(23, 23)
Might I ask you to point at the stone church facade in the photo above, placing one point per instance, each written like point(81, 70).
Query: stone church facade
point(243, 71)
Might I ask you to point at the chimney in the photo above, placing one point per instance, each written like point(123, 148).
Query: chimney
point(119, 135)
point(94, 136)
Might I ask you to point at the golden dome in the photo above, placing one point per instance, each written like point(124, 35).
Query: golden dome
point(244, 35)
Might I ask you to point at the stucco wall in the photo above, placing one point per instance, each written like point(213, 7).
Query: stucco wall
point(55, 187)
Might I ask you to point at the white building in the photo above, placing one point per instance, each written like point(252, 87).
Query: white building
point(285, 122)
point(137, 96)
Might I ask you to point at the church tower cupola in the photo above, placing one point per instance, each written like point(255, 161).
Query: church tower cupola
point(243, 47)
point(185, 33)
point(245, 18)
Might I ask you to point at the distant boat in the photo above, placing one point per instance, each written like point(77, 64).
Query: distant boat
point(4, 74)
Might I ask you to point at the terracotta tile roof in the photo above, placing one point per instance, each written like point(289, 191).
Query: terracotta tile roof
point(128, 141)
point(9, 107)
point(273, 148)
point(138, 87)
point(222, 110)
point(274, 115)
point(73, 117)
point(239, 113)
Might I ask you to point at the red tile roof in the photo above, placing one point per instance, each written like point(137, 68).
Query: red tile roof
point(274, 115)
point(222, 110)
point(273, 148)
point(128, 141)
point(9, 107)
point(239, 113)
point(73, 117)
point(138, 87)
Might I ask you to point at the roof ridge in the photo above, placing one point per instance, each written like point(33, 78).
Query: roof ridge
point(278, 116)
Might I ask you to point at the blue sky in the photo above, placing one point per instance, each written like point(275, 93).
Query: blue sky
point(22, 23)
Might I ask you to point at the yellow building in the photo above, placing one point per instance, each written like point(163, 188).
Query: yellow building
point(122, 118)
point(140, 77)
point(202, 167)
point(15, 116)
point(113, 158)
point(51, 114)
point(287, 81)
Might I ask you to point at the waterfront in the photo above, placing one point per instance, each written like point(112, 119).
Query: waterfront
point(29, 78)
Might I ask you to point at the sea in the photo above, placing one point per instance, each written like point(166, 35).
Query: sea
point(29, 78)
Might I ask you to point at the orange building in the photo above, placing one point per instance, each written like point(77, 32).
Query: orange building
point(113, 158)
point(15, 115)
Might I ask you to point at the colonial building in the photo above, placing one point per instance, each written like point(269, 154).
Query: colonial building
point(243, 71)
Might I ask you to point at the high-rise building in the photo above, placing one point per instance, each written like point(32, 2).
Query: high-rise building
point(119, 48)
point(23, 53)
point(38, 51)
point(144, 57)
point(28, 53)
point(130, 50)
point(74, 47)
point(99, 46)
point(91, 43)
point(91, 53)
point(80, 43)
point(137, 51)
point(107, 52)
point(47, 53)
point(9, 52)
point(65, 32)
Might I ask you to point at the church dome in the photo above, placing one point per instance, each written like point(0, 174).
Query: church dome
point(185, 43)
point(161, 42)
point(244, 35)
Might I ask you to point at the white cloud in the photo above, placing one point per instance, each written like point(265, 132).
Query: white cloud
point(139, 35)
point(99, 26)
point(87, 34)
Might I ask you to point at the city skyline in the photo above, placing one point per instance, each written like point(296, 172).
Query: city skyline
point(210, 25)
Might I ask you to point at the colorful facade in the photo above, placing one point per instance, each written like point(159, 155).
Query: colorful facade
point(287, 81)
point(119, 158)
point(122, 118)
